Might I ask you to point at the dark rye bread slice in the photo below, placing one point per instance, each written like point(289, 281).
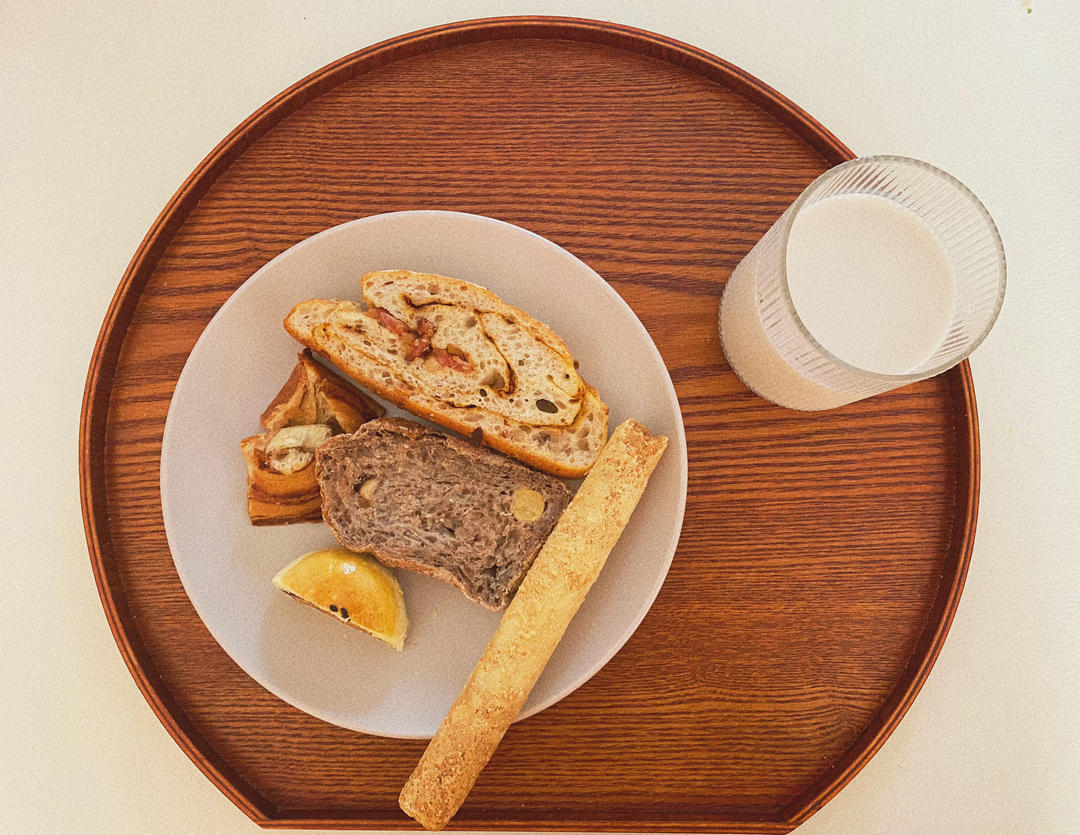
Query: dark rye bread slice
point(424, 501)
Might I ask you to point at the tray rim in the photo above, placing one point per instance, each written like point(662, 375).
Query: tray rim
point(106, 352)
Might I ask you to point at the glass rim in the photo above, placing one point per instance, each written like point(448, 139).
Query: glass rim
point(789, 305)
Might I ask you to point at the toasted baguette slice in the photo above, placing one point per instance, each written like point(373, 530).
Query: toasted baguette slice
point(424, 501)
point(313, 404)
point(456, 354)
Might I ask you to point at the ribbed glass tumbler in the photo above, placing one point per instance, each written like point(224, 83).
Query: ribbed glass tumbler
point(884, 271)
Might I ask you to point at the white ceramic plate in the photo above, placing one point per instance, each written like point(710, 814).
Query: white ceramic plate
point(241, 360)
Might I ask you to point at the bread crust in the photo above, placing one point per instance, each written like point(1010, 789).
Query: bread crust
point(342, 332)
point(532, 626)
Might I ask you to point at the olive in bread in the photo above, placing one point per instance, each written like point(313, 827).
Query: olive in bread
point(456, 354)
point(424, 501)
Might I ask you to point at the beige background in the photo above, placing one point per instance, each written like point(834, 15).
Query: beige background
point(107, 107)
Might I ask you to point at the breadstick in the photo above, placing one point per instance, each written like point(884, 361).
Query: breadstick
point(532, 626)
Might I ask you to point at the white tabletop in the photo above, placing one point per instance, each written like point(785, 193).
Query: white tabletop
point(107, 107)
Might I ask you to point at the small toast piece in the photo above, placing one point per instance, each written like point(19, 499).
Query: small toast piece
point(532, 626)
point(313, 405)
point(456, 354)
point(424, 501)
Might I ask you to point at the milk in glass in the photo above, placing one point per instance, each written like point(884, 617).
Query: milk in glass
point(872, 285)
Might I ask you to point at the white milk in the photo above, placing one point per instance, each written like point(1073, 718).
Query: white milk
point(869, 280)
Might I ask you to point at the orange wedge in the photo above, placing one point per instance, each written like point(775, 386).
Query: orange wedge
point(354, 588)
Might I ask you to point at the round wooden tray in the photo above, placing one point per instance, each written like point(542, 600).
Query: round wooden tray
point(822, 556)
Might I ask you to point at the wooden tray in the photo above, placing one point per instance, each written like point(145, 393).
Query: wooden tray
point(822, 556)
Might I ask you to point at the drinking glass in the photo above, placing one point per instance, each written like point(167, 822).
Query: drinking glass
point(885, 271)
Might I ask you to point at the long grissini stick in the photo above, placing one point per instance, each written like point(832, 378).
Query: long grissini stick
point(532, 626)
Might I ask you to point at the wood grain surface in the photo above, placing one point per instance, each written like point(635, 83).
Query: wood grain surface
point(822, 555)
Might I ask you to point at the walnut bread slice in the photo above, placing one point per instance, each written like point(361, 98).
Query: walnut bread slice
point(456, 354)
point(424, 501)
